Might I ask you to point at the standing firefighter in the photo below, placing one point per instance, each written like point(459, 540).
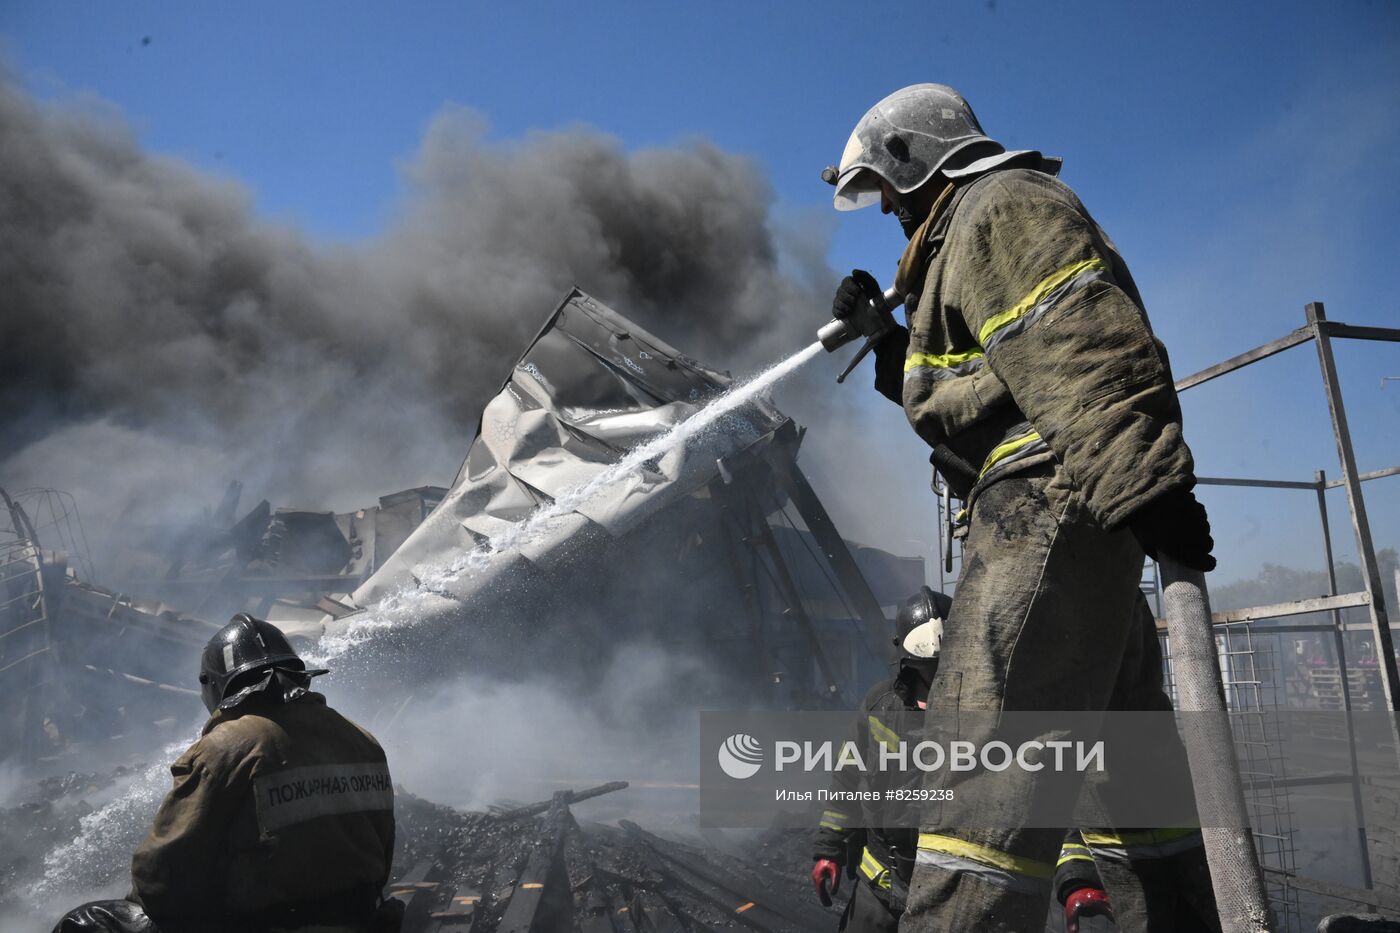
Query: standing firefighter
point(281, 817)
point(1028, 356)
point(880, 858)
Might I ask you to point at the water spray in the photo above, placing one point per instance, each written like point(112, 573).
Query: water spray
point(99, 848)
point(441, 587)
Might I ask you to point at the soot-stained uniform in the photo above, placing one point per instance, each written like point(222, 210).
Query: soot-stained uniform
point(276, 805)
point(881, 858)
point(1030, 357)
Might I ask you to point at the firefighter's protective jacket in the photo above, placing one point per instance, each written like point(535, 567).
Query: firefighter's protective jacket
point(276, 805)
point(846, 834)
point(1029, 341)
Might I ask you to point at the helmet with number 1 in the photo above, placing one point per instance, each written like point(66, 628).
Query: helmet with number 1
point(904, 139)
point(250, 657)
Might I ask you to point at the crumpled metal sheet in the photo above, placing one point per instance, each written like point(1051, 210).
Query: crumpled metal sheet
point(588, 389)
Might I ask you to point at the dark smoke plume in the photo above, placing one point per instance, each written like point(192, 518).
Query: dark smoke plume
point(158, 339)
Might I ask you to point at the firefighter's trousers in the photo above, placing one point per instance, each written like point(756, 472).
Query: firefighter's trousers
point(1048, 615)
point(867, 913)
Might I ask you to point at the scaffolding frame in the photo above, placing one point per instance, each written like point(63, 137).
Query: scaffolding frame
point(1321, 332)
point(1235, 624)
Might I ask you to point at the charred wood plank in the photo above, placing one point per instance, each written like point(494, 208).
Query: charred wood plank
point(543, 902)
point(460, 912)
point(570, 797)
point(734, 896)
point(417, 889)
point(599, 912)
point(654, 915)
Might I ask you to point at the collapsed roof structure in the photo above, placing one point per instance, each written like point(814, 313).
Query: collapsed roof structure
point(717, 549)
point(286, 565)
point(717, 544)
point(80, 664)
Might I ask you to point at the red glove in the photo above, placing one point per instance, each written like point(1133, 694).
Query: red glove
point(826, 878)
point(1086, 902)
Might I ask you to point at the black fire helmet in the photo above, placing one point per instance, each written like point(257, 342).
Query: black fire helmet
point(250, 656)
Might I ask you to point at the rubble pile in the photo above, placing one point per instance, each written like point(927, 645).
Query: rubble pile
point(46, 817)
point(531, 868)
point(538, 868)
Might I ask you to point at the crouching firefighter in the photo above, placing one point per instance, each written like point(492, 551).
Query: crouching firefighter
point(281, 816)
point(880, 859)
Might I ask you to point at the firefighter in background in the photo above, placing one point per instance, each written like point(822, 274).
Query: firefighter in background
point(1029, 357)
point(881, 860)
point(282, 813)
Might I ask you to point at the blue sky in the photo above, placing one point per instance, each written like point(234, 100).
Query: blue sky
point(1241, 155)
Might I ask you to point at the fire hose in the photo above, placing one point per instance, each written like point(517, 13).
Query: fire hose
point(1210, 751)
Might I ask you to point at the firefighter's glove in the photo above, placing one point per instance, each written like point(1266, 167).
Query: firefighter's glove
point(1175, 525)
point(857, 287)
point(826, 878)
point(889, 364)
point(1082, 906)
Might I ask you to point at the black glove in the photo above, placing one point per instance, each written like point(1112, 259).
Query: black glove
point(889, 364)
point(858, 286)
point(1175, 525)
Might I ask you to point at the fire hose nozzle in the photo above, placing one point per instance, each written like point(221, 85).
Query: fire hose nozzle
point(836, 333)
point(871, 320)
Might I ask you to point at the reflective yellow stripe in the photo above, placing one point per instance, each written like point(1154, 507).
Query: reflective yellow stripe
point(1148, 844)
point(1150, 837)
point(939, 361)
point(827, 824)
point(871, 868)
point(883, 733)
point(1038, 294)
point(834, 819)
point(987, 856)
point(1073, 852)
point(1006, 449)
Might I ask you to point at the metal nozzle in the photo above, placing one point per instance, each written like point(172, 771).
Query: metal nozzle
point(872, 320)
point(836, 333)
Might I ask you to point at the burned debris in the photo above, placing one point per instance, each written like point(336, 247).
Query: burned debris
point(745, 569)
point(720, 553)
point(719, 548)
point(291, 566)
point(81, 666)
point(539, 868)
point(532, 867)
